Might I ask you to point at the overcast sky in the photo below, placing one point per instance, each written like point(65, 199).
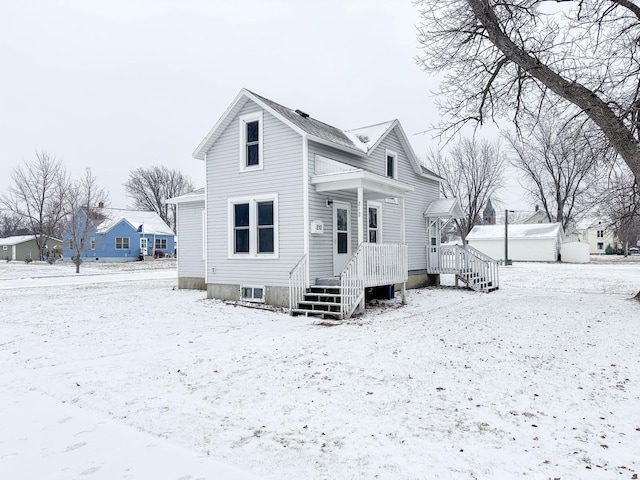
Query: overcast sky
point(116, 85)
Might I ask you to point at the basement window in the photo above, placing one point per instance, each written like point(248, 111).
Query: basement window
point(249, 293)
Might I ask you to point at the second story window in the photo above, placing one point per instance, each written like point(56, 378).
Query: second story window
point(600, 233)
point(251, 142)
point(391, 164)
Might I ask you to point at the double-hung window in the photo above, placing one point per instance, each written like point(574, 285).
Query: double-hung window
point(251, 141)
point(161, 244)
point(92, 243)
point(122, 243)
point(253, 226)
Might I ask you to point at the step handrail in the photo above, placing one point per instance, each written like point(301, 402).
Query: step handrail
point(298, 282)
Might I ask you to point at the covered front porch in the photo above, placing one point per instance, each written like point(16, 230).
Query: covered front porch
point(373, 262)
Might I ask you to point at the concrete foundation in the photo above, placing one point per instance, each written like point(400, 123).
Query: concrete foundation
point(278, 296)
point(192, 283)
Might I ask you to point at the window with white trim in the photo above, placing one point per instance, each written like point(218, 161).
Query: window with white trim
point(374, 222)
point(251, 141)
point(250, 293)
point(600, 233)
point(600, 246)
point(253, 227)
point(122, 243)
point(161, 244)
point(391, 164)
point(4, 247)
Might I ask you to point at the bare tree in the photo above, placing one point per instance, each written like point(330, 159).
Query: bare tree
point(473, 173)
point(150, 188)
point(84, 215)
point(559, 165)
point(37, 196)
point(509, 56)
point(11, 224)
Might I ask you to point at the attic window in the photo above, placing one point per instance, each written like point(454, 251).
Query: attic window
point(391, 164)
point(251, 141)
point(302, 114)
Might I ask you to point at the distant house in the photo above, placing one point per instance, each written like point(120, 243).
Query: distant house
point(21, 247)
point(539, 216)
point(121, 236)
point(538, 242)
point(298, 212)
point(599, 235)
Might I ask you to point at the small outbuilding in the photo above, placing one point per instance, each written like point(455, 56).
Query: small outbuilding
point(538, 242)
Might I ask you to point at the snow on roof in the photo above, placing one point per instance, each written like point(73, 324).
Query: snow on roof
point(151, 221)
point(444, 207)
point(516, 230)
point(196, 195)
point(16, 239)
point(365, 138)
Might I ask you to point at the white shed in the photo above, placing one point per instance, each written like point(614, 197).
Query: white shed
point(538, 242)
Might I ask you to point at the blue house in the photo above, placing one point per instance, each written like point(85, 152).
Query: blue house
point(115, 235)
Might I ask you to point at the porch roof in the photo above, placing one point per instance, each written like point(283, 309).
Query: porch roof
point(444, 208)
point(374, 186)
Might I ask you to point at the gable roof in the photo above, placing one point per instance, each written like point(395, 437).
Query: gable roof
point(516, 230)
point(361, 141)
point(151, 221)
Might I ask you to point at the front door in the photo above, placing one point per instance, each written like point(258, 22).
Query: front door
point(434, 254)
point(143, 246)
point(341, 236)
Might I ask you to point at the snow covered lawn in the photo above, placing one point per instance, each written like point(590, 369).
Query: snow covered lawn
point(539, 379)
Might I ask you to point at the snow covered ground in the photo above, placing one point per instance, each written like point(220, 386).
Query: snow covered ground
point(117, 374)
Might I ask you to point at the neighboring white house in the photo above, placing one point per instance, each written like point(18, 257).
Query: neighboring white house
point(536, 242)
point(298, 212)
point(598, 234)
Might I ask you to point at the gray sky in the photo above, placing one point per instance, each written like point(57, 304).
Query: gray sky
point(116, 85)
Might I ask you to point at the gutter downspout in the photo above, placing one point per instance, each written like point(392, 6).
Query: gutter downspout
point(305, 202)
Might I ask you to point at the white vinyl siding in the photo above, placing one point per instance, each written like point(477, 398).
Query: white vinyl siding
point(415, 204)
point(190, 239)
point(281, 173)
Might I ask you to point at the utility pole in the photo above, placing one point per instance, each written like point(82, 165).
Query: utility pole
point(506, 236)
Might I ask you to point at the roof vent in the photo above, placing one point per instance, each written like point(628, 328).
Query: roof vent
point(302, 114)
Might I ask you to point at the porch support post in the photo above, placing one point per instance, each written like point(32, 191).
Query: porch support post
point(402, 240)
point(360, 215)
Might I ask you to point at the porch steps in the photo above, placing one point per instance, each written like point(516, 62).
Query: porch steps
point(321, 300)
point(476, 281)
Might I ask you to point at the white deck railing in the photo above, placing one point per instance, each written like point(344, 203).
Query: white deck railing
point(298, 278)
point(373, 264)
point(464, 261)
